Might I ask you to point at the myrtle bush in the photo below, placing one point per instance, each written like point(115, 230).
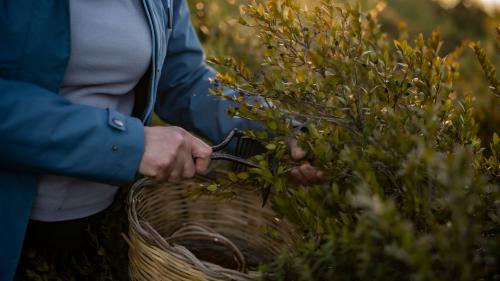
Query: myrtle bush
point(411, 193)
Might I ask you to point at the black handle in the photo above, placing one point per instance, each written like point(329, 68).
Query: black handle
point(235, 159)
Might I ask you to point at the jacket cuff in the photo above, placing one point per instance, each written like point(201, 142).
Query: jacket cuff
point(126, 147)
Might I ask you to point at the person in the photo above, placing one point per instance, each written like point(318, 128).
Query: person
point(79, 82)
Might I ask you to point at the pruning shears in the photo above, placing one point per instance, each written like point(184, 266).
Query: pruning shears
point(245, 148)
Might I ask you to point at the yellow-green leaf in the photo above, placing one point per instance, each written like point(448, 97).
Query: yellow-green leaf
point(232, 176)
point(496, 139)
point(272, 125)
point(271, 146)
point(243, 175)
point(260, 10)
point(212, 187)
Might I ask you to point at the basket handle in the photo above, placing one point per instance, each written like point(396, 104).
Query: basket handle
point(200, 232)
point(192, 232)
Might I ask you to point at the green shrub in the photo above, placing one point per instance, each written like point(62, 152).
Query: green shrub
point(410, 192)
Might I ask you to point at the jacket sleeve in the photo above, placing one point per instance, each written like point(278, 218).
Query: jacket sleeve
point(43, 132)
point(183, 92)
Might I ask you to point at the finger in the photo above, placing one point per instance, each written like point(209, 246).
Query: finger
point(177, 170)
point(160, 177)
point(187, 160)
point(189, 168)
point(162, 172)
point(295, 150)
point(297, 176)
point(320, 175)
point(201, 164)
point(201, 152)
point(176, 173)
point(309, 172)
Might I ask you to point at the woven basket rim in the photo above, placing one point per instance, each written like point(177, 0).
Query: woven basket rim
point(151, 238)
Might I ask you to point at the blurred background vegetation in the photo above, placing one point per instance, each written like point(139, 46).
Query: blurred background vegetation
point(216, 22)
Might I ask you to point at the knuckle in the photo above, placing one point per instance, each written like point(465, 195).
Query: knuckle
point(179, 129)
point(156, 168)
point(162, 165)
point(178, 136)
point(158, 176)
point(153, 174)
point(295, 173)
point(305, 168)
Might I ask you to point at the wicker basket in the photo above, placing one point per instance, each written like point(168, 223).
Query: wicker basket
point(164, 219)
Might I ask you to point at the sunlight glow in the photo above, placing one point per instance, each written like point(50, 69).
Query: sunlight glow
point(487, 4)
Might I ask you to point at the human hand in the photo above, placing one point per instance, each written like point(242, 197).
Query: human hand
point(171, 153)
point(305, 173)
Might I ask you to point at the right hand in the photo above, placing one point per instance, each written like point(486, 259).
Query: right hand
point(305, 174)
point(171, 153)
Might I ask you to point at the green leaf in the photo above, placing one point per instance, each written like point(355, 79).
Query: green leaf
point(212, 187)
point(272, 125)
point(243, 175)
point(271, 146)
point(232, 176)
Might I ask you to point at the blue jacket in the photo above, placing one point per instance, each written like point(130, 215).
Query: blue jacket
point(41, 132)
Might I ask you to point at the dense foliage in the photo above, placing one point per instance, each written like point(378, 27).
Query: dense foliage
point(411, 193)
point(217, 25)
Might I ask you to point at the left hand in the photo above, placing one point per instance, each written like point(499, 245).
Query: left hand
point(304, 174)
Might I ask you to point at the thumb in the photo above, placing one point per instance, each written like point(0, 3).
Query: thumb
point(295, 150)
